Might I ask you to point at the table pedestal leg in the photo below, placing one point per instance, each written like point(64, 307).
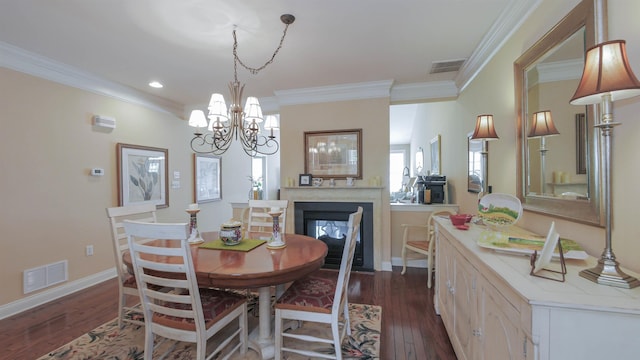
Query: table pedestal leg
point(261, 337)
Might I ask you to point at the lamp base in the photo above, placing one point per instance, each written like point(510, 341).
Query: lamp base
point(607, 272)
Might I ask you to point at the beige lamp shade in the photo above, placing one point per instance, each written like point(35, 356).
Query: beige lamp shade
point(542, 125)
point(484, 128)
point(197, 119)
point(218, 107)
point(252, 110)
point(606, 70)
point(271, 122)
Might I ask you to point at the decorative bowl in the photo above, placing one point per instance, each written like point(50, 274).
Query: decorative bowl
point(231, 233)
point(499, 210)
point(458, 219)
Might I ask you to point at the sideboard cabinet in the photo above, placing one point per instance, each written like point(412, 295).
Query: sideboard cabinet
point(493, 309)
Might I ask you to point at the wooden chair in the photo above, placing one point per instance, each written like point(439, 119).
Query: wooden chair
point(187, 313)
point(320, 297)
point(127, 287)
point(258, 218)
point(425, 246)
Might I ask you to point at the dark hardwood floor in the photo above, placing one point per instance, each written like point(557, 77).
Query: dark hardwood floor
point(410, 327)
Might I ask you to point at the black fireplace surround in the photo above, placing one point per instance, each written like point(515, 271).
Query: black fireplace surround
point(309, 214)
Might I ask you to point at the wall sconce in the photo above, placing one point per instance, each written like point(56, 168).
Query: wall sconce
point(607, 77)
point(419, 161)
point(484, 131)
point(541, 127)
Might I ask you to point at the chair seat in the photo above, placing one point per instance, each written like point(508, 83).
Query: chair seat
point(422, 245)
point(216, 304)
point(313, 293)
point(130, 282)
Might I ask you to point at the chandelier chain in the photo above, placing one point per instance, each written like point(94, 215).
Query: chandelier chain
point(252, 70)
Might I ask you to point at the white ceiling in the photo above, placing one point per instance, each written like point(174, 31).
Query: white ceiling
point(187, 44)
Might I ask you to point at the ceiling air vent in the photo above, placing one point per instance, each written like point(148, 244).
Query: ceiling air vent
point(446, 66)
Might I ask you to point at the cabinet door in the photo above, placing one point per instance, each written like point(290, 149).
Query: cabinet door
point(444, 281)
point(465, 307)
point(498, 333)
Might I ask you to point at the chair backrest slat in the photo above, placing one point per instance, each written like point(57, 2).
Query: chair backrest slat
point(158, 265)
point(259, 218)
point(347, 261)
point(116, 215)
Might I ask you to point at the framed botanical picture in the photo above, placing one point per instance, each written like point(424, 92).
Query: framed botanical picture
point(142, 175)
point(207, 171)
point(305, 180)
point(333, 154)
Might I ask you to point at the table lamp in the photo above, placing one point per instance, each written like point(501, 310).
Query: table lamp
point(484, 131)
point(607, 77)
point(541, 127)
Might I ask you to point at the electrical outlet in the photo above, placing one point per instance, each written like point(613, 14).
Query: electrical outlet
point(89, 250)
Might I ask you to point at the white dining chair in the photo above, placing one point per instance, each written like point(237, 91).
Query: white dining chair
point(127, 288)
point(320, 297)
point(187, 313)
point(425, 246)
point(258, 218)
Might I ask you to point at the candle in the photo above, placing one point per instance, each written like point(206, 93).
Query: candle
point(275, 209)
point(193, 206)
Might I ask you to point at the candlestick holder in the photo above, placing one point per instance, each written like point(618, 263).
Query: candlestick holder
point(195, 237)
point(276, 237)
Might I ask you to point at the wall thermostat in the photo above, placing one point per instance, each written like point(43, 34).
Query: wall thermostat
point(97, 172)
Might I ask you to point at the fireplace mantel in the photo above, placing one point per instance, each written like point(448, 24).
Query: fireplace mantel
point(371, 194)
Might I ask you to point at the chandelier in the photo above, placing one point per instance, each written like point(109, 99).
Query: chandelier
point(224, 125)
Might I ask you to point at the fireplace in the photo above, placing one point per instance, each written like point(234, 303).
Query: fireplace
point(328, 221)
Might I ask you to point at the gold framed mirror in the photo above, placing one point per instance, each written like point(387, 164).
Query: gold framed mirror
point(546, 77)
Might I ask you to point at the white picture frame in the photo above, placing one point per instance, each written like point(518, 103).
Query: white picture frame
point(142, 175)
point(207, 177)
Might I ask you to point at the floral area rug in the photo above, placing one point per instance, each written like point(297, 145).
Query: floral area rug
point(110, 342)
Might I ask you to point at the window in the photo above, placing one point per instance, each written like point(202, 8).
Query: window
point(397, 160)
point(258, 172)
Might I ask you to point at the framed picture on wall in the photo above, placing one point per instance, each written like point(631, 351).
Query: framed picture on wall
point(142, 175)
point(435, 155)
point(207, 170)
point(333, 154)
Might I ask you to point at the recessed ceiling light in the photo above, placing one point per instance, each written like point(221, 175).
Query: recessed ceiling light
point(156, 84)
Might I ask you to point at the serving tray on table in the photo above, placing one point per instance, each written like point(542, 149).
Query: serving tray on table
point(515, 240)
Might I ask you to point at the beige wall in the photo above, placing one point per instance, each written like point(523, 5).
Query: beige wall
point(51, 208)
point(372, 116)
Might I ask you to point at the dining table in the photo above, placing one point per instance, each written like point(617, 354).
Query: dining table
point(258, 268)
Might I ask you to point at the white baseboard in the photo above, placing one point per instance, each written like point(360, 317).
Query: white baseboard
point(57, 292)
point(419, 263)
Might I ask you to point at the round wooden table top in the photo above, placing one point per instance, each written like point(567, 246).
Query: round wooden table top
point(255, 268)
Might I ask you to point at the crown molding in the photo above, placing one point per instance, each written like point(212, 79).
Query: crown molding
point(416, 92)
point(20, 60)
point(511, 18)
point(343, 92)
point(560, 70)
